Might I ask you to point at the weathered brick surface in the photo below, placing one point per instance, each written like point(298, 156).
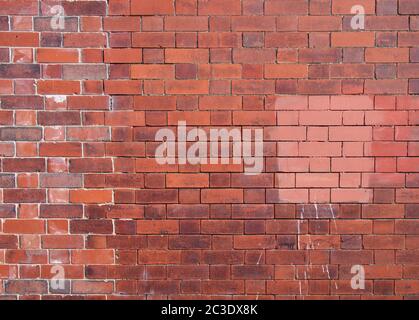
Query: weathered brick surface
point(80, 188)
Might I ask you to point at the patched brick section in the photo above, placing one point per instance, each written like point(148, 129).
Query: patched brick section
point(79, 186)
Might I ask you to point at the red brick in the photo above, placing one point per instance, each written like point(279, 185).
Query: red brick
point(58, 87)
point(345, 6)
point(222, 196)
point(22, 102)
point(20, 134)
point(353, 39)
point(408, 7)
point(152, 72)
point(351, 195)
point(219, 7)
point(186, 56)
point(90, 196)
point(285, 40)
point(24, 226)
point(286, 71)
point(253, 87)
point(59, 118)
point(349, 133)
point(97, 256)
point(27, 287)
point(352, 164)
point(156, 196)
point(153, 40)
point(189, 242)
point(121, 24)
point(123, 56)
point(319, 87)
point(193, 272)
point(187, 180)
point(186, 23)
point(91, 287)
point(286, 7)
point(253, 23)
point(187, 87)
point(158, 227)
point(88, 102)
point(407, 195)
point(59, 149)
point(80, 185)
point(17, 7)
point(319, 149)
point(24, 196)
point(351, 257)
point(23, 71)
point(351, 227)
point(219, 40)
point(60, 211)
point(159, 256)
point(8, 242)
point(220, 103)
point(159, 7)
point(84, 40)
point(47, 55)
point(19, 39)
point(221, 227)
point(91, 227)
point(256, 118)
point(382, 149)
point(408, 39)
point(62, 242)
point(386, 55)
point(316, 180)
point(352, 71)
point(123, 86)
point(319, 23)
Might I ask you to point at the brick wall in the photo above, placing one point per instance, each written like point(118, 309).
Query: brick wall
point(82, 193)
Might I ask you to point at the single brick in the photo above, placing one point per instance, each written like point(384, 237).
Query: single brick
point(20, 71)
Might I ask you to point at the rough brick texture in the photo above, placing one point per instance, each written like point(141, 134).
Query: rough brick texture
point(80, 188)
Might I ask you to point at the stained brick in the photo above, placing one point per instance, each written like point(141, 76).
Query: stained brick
point(20, 134)
point(81, 109)
point(20, 71)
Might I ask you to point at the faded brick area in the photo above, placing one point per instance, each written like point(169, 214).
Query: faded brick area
point(80, 187)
